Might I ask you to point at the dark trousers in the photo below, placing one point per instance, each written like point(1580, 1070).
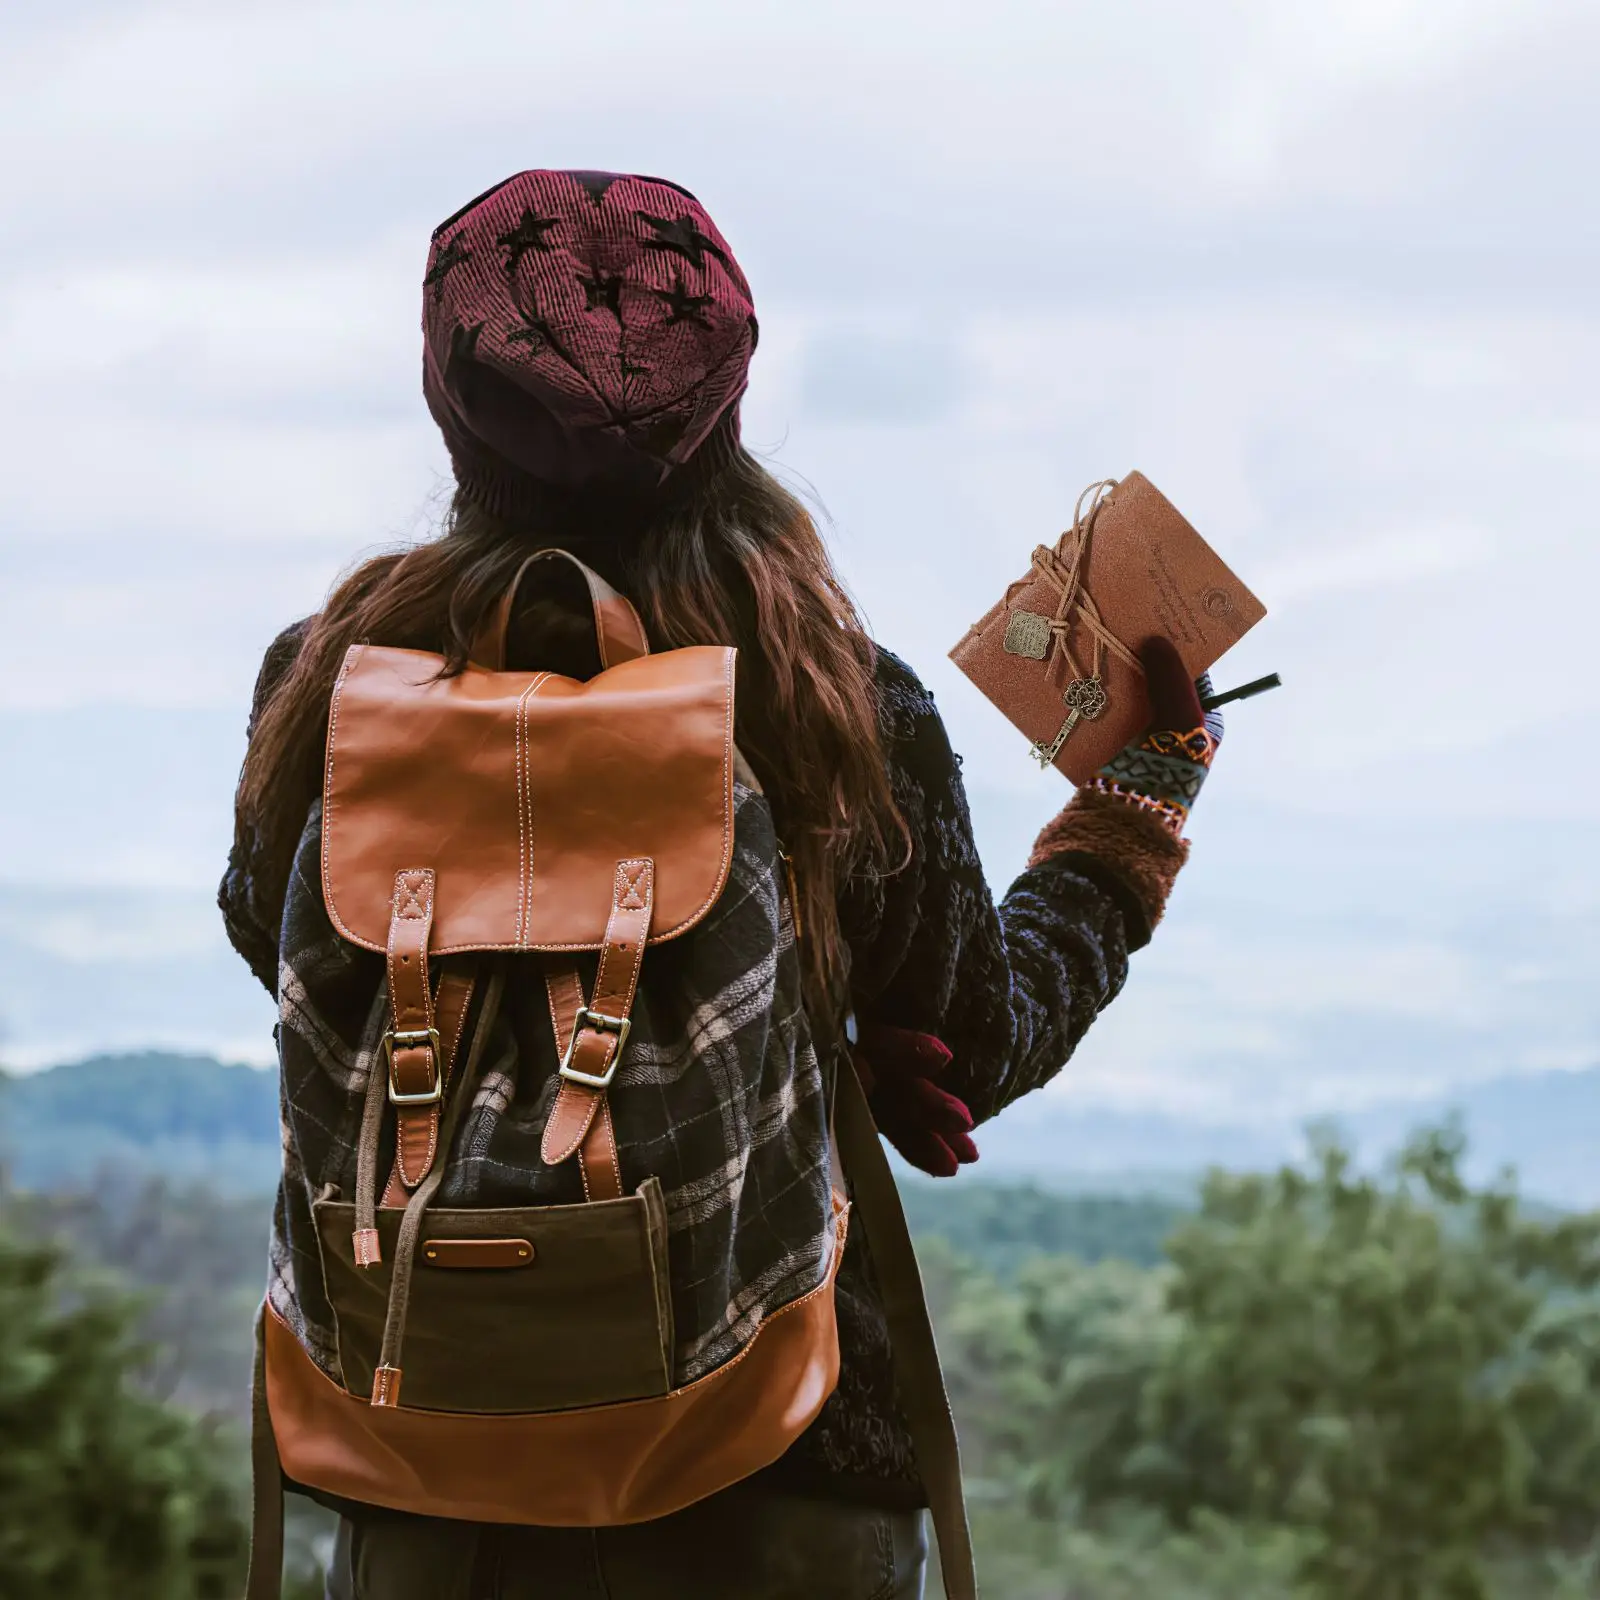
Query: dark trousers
point(747, 1542)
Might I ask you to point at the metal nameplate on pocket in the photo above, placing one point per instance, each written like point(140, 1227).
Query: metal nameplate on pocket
point(478, 1253)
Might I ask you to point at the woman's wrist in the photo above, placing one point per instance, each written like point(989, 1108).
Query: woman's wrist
point(1131, 815)
point(1161, 775)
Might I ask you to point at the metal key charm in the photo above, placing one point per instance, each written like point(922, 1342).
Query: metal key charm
point(1085, 699)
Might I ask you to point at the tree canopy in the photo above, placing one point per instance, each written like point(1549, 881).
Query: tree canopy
point(105, 1490)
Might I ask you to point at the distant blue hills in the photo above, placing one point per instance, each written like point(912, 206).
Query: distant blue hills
point(187, 1116)
point(1545, 1126)
point(191, 1117)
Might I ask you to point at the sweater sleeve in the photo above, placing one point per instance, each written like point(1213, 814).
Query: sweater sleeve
point(1010, 988)
point(252, 928)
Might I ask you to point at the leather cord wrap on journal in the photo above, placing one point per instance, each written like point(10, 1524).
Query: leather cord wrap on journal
point(1075, 607)
point(590, 1035)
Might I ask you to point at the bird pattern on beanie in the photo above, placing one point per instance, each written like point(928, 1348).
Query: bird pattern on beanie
point(580, 326)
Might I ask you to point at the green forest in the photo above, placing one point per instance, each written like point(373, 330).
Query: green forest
point(1317, 1382)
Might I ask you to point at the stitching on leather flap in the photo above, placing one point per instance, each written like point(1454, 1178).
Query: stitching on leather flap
point(413, 893)
point(380, 800)
point(629, 876)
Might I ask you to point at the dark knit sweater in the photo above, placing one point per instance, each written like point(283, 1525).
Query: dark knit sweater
point(1010, 988)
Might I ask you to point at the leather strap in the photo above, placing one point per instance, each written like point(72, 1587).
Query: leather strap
point(617, 627)
point(411, 1058)
point(622, 954)
point(598, 1164)
point(564, 990)
point(580, 1120)
point(920, 1383)
point(417, 1127)
point(264, 1580)
point(387, 1375)
point(413, 1068)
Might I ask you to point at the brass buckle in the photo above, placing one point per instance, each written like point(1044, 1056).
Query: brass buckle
point(408, 1039)
point(601, 1023)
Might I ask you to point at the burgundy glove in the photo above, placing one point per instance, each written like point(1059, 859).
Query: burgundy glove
point(1174, 697)
point(928, 1125)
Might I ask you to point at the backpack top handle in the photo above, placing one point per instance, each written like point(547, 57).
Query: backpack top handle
point(617, 628)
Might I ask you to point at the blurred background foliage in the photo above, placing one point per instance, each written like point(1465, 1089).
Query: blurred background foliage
point(1317, 1382)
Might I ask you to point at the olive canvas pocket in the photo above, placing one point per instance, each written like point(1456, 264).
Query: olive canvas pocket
point(581, 1317)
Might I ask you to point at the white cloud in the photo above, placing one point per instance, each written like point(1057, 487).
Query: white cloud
point(1378, 560)
point(1317, 269)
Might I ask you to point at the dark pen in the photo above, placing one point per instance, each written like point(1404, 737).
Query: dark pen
point(1244, 692)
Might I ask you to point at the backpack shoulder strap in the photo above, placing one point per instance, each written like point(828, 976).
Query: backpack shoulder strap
point(264, 1580)
point(916, 1357)
point(590, 1034)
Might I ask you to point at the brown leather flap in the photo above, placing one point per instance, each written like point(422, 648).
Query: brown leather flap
point(522, 791)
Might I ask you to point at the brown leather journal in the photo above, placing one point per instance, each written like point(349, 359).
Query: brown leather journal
point(1057, 655)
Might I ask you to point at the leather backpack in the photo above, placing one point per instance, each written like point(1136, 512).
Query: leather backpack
point(567, 1172)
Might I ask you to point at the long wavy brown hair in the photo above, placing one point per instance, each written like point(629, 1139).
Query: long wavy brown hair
point(738, 561)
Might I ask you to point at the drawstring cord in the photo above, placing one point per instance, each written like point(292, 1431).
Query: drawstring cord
point(386, 1379)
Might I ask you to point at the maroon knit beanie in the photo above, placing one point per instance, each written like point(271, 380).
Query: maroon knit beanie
point(584, 333)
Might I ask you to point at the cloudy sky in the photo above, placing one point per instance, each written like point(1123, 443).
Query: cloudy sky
point(1326, 272)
